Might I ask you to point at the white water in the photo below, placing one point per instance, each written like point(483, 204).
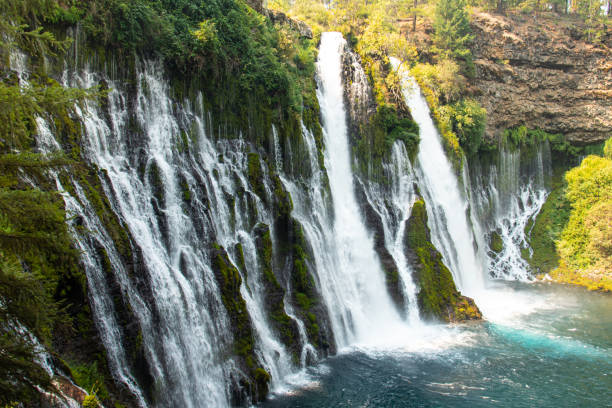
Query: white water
point(445, 201)
point(185, 329)
point(393, 203)
point(461, 237)
point(360, 307)
point(506, 197)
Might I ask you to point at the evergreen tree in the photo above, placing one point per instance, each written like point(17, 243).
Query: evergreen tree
point(33, 231)
point(452, 29)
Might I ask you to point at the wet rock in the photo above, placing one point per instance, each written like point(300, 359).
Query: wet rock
point(438, 297)
point(374, 224)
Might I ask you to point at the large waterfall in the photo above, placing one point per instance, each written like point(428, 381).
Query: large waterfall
point(180, 191)
point(361, 304)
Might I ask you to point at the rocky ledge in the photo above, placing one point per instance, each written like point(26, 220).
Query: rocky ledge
point(537, 71)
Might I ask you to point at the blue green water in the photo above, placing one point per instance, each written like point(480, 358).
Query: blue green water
point(546, 346)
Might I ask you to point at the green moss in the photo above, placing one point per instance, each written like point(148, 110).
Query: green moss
point(229, 281)
point(90, 378)
point(438, 297)
point(275, 294)
point(255, 175)
point(495, 242)
point(240, 257)
point(305, 295)
point(376, 138)
point(563, 151)
point(547, 229)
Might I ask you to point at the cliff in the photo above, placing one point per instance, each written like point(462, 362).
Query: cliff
point(538, 72)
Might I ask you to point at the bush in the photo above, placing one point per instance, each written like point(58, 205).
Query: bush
point(585, 247)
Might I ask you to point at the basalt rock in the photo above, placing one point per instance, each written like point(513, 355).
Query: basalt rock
point(278, 17)
point(537, 72)
point(438, 297)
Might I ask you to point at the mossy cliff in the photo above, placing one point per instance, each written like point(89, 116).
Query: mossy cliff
point(438, 296)
point(255, 387)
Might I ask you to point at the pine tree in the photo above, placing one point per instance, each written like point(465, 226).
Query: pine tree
point(452, 29)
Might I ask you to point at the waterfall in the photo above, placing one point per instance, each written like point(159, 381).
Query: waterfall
point(506, 197)
point(349, 272)
point(393, 204)
point(447, 205)
point(177, 192)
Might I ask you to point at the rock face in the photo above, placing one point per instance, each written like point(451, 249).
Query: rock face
point(438, 297)
point(281, 18)
point(358, 97)
point(540, 74)
point(257, 5)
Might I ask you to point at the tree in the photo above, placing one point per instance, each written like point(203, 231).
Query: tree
point(452, 29)
point(32, 220)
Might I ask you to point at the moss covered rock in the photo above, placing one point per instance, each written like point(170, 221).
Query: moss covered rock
point(438, 296)
point(495, 242)
point(275, 294)
point(229, 281)
point(546, 231)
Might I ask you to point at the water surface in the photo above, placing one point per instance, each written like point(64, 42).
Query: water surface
point(544, 345)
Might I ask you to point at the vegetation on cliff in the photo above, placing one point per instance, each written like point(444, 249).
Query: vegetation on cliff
point(585, 247)
point(372, 31)
point(42, 289)
point(438, 296)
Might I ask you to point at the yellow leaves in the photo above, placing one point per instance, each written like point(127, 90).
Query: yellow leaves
point(207, 32)
point(608, 149)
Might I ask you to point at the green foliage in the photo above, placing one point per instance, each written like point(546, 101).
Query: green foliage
point(438, 296)
point(90, 378)
point(228, 48)
point(546, 231)
point(585, 247)
point(467, 120)
point(90, 401)
point(39, 277)
point(524, 139)
point(452, 32)
point(23, 303)
point(607, 150)
point(397, 128)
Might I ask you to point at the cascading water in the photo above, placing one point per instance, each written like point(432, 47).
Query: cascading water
point(348, 269)
point(393, 203)
point(506, 197)
point(446, 204)
point(176, 202)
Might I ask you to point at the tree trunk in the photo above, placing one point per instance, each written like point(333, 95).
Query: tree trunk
point(500, 6)
point(414, 17)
